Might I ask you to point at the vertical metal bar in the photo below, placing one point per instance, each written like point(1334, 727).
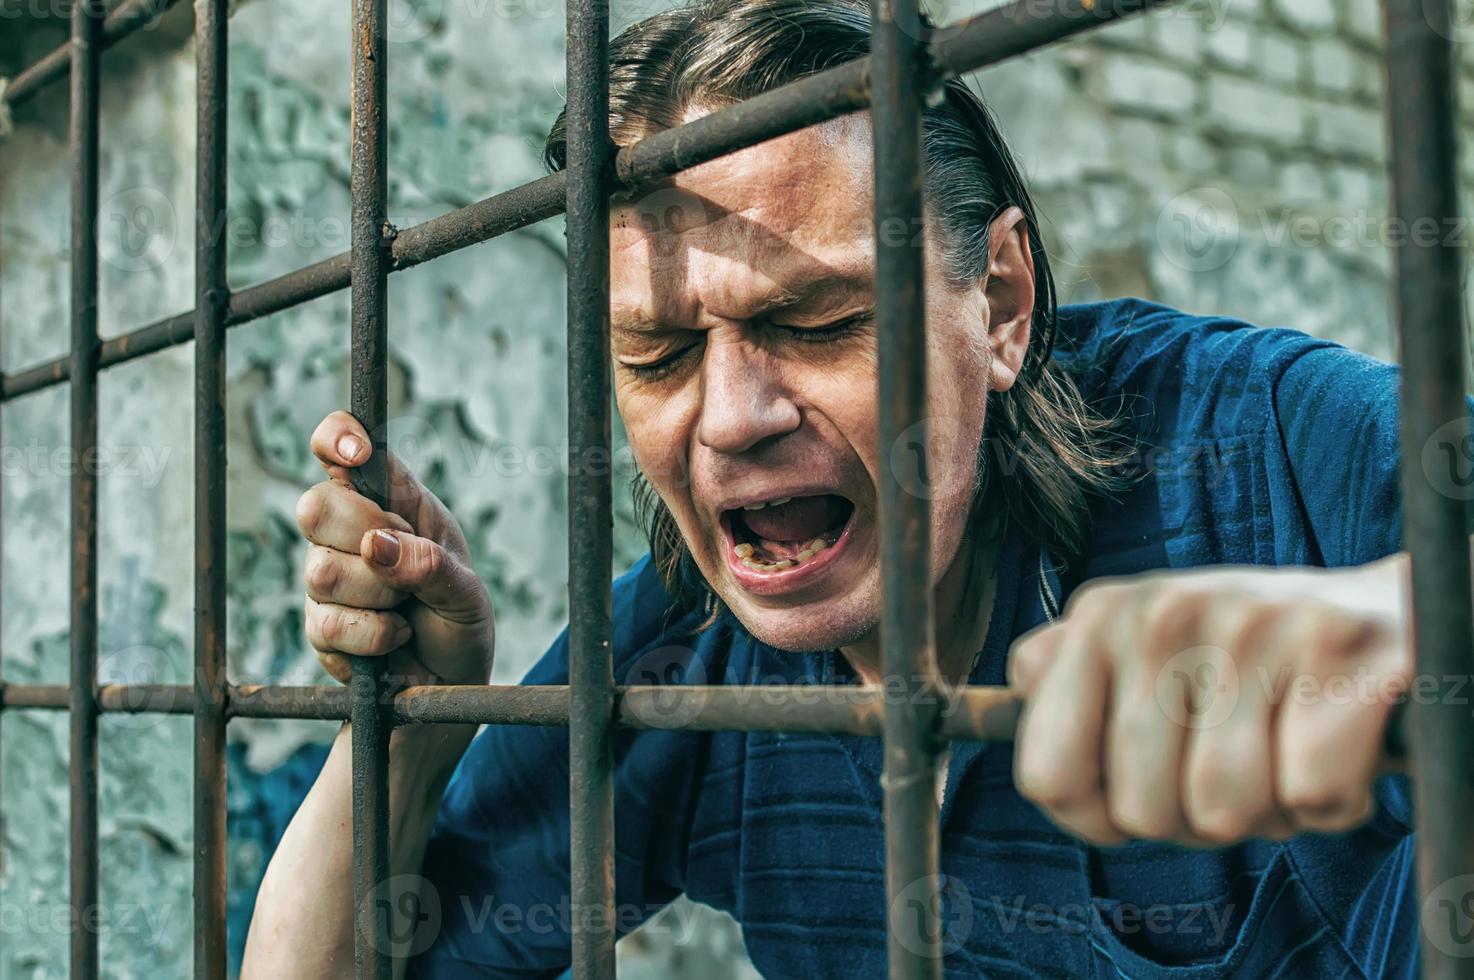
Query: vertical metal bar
point(907, 631)
point(590, 527)
point(82, 137)
point(369, 263)
point(211, 301)
point(1430, 318)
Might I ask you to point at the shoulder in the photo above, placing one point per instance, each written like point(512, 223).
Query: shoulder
point(1200, 376)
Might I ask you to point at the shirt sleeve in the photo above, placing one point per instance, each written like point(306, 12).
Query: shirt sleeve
point(497, 863)
point(1335, 417)
point(1336, 422)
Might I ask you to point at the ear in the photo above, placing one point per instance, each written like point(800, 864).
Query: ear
point(1008, 285)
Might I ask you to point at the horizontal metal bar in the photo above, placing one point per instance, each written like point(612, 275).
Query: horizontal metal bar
point(970, 45)
point(130, 16)
point(973, 712)
point(969, 712)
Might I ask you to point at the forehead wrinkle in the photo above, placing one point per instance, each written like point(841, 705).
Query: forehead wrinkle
point(751, 230)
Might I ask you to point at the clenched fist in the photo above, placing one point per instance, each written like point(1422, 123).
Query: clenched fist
point(395, 583)
point(1206, 707)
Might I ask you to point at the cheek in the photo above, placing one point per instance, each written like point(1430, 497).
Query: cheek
point(657, 428)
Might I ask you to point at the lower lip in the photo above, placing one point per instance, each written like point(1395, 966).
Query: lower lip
point(789, 579)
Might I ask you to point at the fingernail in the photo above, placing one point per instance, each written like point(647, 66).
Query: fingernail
point(401, 636)
point(348, 447)
point(385, 548)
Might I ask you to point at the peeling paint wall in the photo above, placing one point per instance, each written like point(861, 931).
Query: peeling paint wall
point(1226, 156)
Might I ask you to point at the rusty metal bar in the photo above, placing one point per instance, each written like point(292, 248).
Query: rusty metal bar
point(370, 236)
point(130, 16)
point(83, 141)
point(968, 713)
point(1430, 318)
point(211, 295)
point(590, 496)
point(908, 640)
point(972, 44)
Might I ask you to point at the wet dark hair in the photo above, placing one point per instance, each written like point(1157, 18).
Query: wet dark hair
point(1058, 451)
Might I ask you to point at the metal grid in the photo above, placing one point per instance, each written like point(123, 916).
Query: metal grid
point(906, 63)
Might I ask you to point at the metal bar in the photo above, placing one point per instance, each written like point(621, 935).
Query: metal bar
point(590, 495)
point(970, 45)
point(83, 140)
point(1423, 168)
point(908, 640)
point(975, 712)
point(369, 258)
point(211, 295)
point(132, 15)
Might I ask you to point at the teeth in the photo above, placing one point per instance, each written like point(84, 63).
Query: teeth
point(744, 550)
point(767, 503)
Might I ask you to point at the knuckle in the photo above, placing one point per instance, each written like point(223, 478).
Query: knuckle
point(330, 625)
point(428, 561)
point(1316, 799)
point(1171, 617)
point(1220, 818)
point(1138, 817)
point(1223, 825)
point(311, 510)
point(1046, 785)
point(1026, 663)
point(323, 573)
point(1096, 599)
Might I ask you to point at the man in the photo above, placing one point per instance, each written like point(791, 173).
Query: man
point(1195, 786)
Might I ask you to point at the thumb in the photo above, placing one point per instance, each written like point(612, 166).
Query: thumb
point(426, 571)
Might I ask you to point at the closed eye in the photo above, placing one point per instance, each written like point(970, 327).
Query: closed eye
point(663, 368)
point(826, 332)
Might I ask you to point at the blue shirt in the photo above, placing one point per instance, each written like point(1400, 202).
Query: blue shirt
point(1261, 446)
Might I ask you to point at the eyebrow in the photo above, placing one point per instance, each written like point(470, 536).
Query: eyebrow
point(783, 297)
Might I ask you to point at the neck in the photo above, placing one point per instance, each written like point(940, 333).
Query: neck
point(960, 615)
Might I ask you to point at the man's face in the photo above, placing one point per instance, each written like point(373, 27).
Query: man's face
point(745, 373)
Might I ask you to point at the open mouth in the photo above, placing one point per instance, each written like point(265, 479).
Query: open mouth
point(787, 533)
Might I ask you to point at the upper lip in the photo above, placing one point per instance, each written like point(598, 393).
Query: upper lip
point(737, 502)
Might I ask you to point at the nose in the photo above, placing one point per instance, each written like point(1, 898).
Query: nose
point(744, 401)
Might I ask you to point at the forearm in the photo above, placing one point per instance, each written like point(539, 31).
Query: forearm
point(304, 918)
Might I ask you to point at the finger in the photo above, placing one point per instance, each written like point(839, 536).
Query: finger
point(332, 628)
point(425, 570)
point(1031, 655)
point(343, 578)
point(340, 443)
point(334, 515)
point(1228, 792)
point(339, 666)
point(1057, 753)
point(1330, 732)
point(1152, 651)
